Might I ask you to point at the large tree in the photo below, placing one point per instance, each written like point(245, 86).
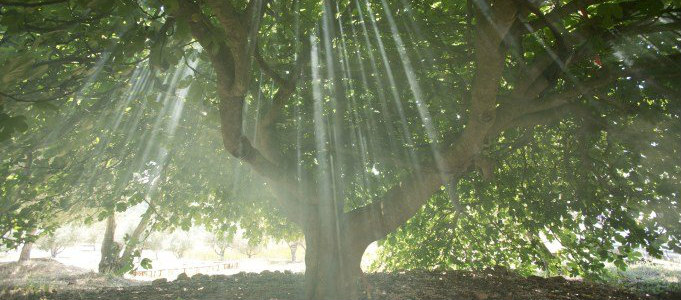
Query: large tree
point(364, 110)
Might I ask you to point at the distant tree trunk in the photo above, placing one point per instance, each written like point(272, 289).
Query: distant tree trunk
point(134, 239)
point(294, 247)
point(26, 251)
point(220, 251)
point(25, 254)
point(55, 251)
point(109, 248)
point(114, 256)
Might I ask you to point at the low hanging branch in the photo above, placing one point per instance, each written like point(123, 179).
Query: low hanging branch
point(403, 201)
point(226, 57)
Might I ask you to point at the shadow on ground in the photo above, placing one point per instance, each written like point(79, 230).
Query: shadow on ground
point(484, 285)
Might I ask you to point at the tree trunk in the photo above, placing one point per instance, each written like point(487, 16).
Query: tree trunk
point(26, 251)
point(54, 252)
point(28, 246)
point(294, 248)
point(332, 264)
point(25, 254)
point(109, 248)
point(116, 256)
point(134, 239)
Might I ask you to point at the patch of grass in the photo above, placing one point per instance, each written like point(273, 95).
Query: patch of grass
point(653, 276)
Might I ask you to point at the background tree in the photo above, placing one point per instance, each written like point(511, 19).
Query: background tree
point(56, 242)
point(246, 247)
point(294, 246)
point(179, 244)
point(221, 241)
point(154, 242)
point(92, 234)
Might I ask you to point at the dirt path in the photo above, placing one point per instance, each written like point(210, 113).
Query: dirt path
point(487, 285)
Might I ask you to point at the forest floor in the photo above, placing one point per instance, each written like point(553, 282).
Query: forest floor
point(33, 281)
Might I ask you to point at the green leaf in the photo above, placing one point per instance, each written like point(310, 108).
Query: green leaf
point(37, 72)
point(171, 5)
point(650, 7)
point(10, 125)
point(16, 69)
point(609, 13)
point(121, 207)
point(101, 5)
point(13, 21)
point(146, 263)
point(46, 106)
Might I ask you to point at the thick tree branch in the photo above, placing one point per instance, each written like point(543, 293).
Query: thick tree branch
point(286, 88)
point(231, 64)
point(64, 25)
point(493, 24)
point(403, 200)
point(199, 24)
point(134, 239)
point(231, 19)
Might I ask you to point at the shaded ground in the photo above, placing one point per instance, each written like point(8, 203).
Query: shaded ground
point(43, 273)
point(485, 285)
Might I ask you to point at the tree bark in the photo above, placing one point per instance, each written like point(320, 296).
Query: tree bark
point(134, 239)
point(26, 251)
point(332, 260)
point(109, 248)
point(55, 251)
point(25, 254)
point(294, 248)
point(116, 256)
